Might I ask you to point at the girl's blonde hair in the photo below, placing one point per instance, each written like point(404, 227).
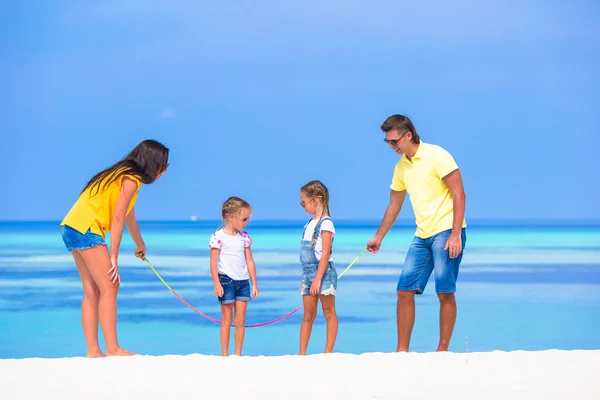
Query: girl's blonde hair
point(319, 190)
point(233, 205)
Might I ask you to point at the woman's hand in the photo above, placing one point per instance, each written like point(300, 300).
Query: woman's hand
point(113, 272)
point(140, 251)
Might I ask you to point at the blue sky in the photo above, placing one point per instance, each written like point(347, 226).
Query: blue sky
point(256, 98)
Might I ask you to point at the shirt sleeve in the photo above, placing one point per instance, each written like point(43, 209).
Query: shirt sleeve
point(247, 239)
point(443, 163)
point(327, 226)
point(214, 242)
point(398, 178)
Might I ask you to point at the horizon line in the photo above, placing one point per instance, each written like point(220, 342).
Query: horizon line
point(368, 221)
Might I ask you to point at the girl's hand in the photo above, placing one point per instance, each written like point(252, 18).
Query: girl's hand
point(218, 290)
point(113, 272)
point(315, 288)
point(254, 291)
point(140, 251)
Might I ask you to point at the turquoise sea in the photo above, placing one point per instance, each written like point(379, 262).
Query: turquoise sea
point(522, 286)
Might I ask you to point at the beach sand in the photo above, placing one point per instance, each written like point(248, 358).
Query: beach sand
point(551, 374)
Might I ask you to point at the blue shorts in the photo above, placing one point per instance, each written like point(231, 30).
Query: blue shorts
point(427, 255)
point(328, 282)
point(74, 240)
point(234, 290)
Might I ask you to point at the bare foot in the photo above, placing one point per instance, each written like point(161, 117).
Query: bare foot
point(95, 354)
point(120, 352)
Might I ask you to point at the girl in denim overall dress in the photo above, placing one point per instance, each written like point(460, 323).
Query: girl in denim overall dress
point(232, 267)
point(319, 277)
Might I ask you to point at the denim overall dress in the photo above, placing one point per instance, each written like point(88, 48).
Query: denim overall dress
point(310, 264)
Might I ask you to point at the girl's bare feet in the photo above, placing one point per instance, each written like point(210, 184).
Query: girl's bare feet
point(95, 353)
point(119, 353)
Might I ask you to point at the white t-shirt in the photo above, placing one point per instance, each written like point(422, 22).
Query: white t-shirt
point(309, 230)
point(232, 260)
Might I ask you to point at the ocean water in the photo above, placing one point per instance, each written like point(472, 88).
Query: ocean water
point(522, 286)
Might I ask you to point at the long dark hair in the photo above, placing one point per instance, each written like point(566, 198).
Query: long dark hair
point(146, 162)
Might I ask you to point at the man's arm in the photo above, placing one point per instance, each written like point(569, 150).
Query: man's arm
point(459, 199)
point(390, 216)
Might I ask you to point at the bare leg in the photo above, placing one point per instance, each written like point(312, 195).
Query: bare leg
point(226, 310)
point(240, 321)
point(447, 319)
point(310, 313)
point(89, 308)
point(97, 261)
point(328, 305)
point(405, 318)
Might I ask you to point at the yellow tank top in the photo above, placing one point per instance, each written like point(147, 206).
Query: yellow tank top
point(96, 212)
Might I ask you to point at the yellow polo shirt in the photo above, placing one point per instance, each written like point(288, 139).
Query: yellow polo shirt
point(430, 197)
point(96, 212)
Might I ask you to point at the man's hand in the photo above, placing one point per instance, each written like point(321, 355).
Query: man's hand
point(454, 245)
point(374, 244)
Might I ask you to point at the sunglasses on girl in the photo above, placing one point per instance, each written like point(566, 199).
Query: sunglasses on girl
point(245, 219)
point(302, 203)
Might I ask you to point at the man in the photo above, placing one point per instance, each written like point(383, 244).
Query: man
point(434, 184)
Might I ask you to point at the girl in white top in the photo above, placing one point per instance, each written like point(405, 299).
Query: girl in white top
point(232, 268)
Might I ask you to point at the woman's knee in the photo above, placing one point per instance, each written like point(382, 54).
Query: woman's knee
point(108, 289)
point(91, 291)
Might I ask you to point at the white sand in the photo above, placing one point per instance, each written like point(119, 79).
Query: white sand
point(548, 374)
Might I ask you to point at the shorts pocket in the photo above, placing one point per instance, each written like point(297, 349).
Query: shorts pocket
point(225, 280)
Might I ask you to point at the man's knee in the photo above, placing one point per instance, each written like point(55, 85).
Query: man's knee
point(446, 298)
point(406, 296)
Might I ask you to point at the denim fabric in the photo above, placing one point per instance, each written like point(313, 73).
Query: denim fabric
point(427, 255)
point(234, 290)
point(74, 240)
point(310, 264)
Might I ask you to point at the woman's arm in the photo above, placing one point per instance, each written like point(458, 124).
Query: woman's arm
point(128, 188)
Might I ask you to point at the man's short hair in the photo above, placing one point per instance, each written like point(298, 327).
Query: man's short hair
point(402, 124)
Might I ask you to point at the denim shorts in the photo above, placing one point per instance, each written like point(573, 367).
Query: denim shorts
point(328, 282)
point(427, 255)
point(74, 240)
point(234, 290)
